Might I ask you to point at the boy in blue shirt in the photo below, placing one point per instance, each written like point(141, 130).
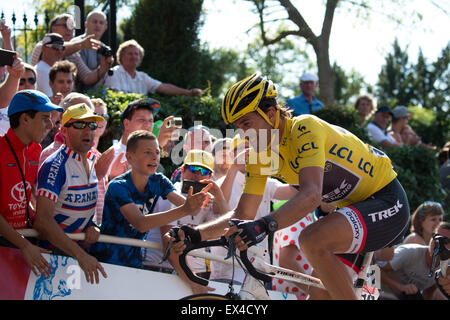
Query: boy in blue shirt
point(130, 197)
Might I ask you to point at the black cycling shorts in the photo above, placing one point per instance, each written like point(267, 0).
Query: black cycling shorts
point(378, 222)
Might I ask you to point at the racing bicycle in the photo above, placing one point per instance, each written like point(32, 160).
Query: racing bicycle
point(259, 272)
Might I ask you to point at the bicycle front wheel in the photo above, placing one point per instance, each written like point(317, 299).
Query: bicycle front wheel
point(205, 296)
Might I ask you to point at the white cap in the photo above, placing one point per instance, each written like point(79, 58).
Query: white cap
point(309, 77)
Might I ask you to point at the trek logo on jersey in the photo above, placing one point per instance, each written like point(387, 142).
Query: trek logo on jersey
point(386, 213)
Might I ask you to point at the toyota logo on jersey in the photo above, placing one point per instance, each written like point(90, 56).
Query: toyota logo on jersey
point(18, 192)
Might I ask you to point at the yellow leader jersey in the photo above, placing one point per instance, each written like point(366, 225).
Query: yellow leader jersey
point(353, 170)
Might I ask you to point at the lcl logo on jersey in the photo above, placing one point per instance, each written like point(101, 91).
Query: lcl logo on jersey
point(18, 192)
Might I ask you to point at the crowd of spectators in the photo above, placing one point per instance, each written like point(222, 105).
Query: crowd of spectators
point(50, 132)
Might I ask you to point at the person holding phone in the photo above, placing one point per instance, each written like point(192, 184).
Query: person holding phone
point(14, 66)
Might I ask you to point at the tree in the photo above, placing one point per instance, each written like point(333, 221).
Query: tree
point(423, 86)
point(347, 85)
point(396, 78)
point(320, 43)
point(168, 31)
point(289, 20)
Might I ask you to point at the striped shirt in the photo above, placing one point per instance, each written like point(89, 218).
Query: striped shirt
point(63, 179)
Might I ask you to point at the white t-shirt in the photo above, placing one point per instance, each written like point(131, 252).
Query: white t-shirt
point(122, 81)
point(42, 78)
point(409, 266)
point(378, 135)
point(221, 270)
point(118, 147)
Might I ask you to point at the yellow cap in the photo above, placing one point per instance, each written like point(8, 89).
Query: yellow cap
point(79, 111)
point(200, 158)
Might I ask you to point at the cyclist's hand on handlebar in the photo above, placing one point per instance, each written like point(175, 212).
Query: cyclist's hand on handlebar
point(177, 244)
point(249, 232)
point(179, 236)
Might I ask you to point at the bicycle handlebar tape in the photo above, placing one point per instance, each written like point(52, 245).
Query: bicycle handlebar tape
point(189, 273)
point(251, 269)
point(192, 246)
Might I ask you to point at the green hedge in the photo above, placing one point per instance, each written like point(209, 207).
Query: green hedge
point(417, 167)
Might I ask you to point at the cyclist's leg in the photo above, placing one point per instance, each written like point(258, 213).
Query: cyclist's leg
point(320, 241)
point(378, 222)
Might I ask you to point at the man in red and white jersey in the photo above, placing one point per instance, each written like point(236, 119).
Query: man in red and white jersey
point(30, 120)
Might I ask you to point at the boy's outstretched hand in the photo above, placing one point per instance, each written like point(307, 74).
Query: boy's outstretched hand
point(195, 202)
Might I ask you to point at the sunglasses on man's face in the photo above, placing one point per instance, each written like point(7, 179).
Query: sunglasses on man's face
point(31, 80)
point(195, 169)
point(81, 125)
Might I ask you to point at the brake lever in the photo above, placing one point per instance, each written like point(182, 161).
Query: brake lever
point(231, 246)
point(173, 232)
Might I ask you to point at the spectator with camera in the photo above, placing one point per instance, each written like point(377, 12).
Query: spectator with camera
point(138, 115)
point(64, 25)
point(102, 58)
point(126, 78)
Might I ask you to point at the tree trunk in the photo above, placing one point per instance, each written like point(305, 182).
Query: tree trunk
point(326, 82)
point(319, 43)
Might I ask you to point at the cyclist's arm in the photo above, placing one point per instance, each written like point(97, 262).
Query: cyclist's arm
point(245, 210)
point(305, 201)
point(285, 192)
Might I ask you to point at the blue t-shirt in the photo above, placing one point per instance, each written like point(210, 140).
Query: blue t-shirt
point(301, 105)
point(122, 191)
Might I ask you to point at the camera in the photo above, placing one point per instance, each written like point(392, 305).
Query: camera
point(7, 57)
point(177, 122)
point(105, 50)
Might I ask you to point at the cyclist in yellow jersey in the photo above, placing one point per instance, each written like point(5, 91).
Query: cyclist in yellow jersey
point(328, 164)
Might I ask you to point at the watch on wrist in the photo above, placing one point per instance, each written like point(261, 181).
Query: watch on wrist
point(271, 223)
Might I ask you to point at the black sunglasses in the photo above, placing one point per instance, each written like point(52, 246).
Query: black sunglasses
point(81, 125)
point(31, 80)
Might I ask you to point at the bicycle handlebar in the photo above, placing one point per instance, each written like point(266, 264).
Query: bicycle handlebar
point(223, 242)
